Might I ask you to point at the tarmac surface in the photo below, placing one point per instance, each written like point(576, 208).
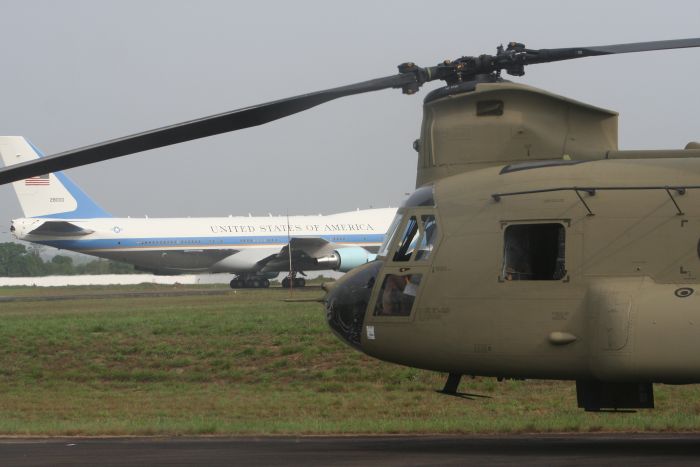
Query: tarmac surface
point(598, 449)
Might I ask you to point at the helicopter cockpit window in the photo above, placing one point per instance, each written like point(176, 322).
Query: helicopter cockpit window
point(534, 252)
point(397, 295)
point(390, 234)
point(416, 241)
point(407, 243)
point(428, 237)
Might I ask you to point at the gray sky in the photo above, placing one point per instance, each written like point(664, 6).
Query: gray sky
point(78, 72)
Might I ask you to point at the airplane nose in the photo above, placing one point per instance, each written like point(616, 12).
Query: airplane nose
point(346, 302)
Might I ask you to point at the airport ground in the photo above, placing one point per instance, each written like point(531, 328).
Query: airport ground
point(174, 361)
point(597, 449)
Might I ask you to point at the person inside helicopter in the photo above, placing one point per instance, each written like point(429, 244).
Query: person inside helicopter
point(397, 295)
point(534, 252)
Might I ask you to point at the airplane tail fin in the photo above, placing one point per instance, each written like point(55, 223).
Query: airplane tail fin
point(52, 195)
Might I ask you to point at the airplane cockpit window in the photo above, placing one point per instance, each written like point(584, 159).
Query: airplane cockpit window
point(534, 252)
point(397, 295)
point(407, 243)
point(390, 234)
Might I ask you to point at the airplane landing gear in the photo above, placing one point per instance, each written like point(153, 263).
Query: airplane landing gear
point(249, 282)
point(296, 282)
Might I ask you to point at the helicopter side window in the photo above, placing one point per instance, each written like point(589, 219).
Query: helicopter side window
point(408, 241)
point(397, 295)
point(534, 252)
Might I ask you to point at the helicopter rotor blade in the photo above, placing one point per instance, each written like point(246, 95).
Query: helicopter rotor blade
point(646, 46)
point(513, 60)
point(516, 56)
point(553, 55)
point(200, 128)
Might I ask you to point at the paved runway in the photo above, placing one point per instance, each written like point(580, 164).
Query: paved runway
point(602, 449)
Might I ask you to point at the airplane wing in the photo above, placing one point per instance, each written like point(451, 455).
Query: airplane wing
point(304, 250)
point(309, 246)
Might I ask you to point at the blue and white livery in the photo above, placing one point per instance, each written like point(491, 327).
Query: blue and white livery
point(59, 214)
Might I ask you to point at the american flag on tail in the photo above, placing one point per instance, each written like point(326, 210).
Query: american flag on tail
point(40, 180)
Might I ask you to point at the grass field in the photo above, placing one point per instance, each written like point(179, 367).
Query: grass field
point(248, 363)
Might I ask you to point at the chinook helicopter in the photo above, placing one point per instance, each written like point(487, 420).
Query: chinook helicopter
point(532, 247)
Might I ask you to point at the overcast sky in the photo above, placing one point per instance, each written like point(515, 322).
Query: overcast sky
point(74, 73)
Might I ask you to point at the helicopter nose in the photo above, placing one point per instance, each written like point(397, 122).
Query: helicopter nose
point(346, 302)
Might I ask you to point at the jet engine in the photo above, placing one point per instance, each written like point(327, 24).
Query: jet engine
point(345, 259)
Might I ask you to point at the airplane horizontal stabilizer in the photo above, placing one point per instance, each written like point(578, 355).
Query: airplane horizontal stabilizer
point(60, 229)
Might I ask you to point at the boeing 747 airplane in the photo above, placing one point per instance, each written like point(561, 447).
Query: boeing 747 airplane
point(255, 249)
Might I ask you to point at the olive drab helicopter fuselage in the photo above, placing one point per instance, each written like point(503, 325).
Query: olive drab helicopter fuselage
point(536, 249)
point(532, 248)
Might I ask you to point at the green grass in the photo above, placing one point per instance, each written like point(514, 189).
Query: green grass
point(247, 363)
point(25, 291)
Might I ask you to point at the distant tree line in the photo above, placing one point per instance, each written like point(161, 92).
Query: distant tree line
point(17, 260)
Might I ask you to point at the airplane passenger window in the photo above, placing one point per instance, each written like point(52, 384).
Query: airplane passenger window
point(397, 295)
point(534, 252)
point(408, 241)
point(427, 240)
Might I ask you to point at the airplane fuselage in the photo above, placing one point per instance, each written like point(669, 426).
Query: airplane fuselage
point(217, 244)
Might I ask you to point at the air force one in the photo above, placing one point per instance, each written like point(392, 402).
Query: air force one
point(255, 249)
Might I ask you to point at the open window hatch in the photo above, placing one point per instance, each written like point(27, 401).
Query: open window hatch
point(534, 252)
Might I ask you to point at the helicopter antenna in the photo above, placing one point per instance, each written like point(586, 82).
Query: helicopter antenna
point(513, 59)
point(289, 251)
